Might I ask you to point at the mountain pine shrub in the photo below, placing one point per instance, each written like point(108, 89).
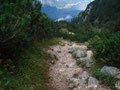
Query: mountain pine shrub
point(21, 22)
point(106, 49)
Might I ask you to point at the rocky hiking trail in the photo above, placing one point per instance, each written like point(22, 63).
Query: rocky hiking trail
point(64, 72)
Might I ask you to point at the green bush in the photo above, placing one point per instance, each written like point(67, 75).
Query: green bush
point(21, 23)
point(105, 79)
point(15, 19)
point(106, 49)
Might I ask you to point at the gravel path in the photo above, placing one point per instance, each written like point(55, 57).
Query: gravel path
point(65, 67)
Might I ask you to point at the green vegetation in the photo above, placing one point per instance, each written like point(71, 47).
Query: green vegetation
point(82, 64)
point(99, 25)
point(106, 50)
point(23, 35)
point(101, 28)
point(103, 14)
point(104, 79)
point(25, 31)
point(30, 72)
point(82, 31)
point(23, 27)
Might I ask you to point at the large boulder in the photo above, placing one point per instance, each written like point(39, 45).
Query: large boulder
point(87, 60)
point(81, 53)
point(93, 82)
point(84, 57)
point(115, 72)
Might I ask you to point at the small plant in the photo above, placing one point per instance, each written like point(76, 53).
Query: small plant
point(86, 81)
point(78, 62)
point(84, 55)
point(74, 54)
point(81, 63)
point(71, 82)
point(113, 88)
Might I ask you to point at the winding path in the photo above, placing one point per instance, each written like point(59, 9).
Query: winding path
point(65, 67)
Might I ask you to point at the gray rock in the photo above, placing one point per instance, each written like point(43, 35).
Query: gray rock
point(53, 58)
point(89, 53)
point(53, 55)
point(86, 43)
point(71, 86)
point(117, 85)
point(88, 61)
point(111, 70)
point(81, 53)
point(73, 83)
point(117, 76)
point(71, 50)
point(84, 76)
point(93, 82)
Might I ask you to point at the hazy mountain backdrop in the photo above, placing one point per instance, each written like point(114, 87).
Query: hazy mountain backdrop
point(60, 14)
point(63, 9)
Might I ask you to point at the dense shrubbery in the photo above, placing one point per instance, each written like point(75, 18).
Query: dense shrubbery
point(107, 49)
point(82, 31)
point(21, 22)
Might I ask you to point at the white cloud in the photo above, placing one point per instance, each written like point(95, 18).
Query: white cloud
point(68, 17)
point(61, 19)
point(70, 5)
point(60, 4)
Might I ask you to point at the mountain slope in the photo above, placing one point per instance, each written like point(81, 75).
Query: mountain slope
point(104, 11)
point(56, 14)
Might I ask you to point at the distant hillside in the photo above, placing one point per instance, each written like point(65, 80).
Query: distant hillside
point(60, 14)
point(103, 11)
